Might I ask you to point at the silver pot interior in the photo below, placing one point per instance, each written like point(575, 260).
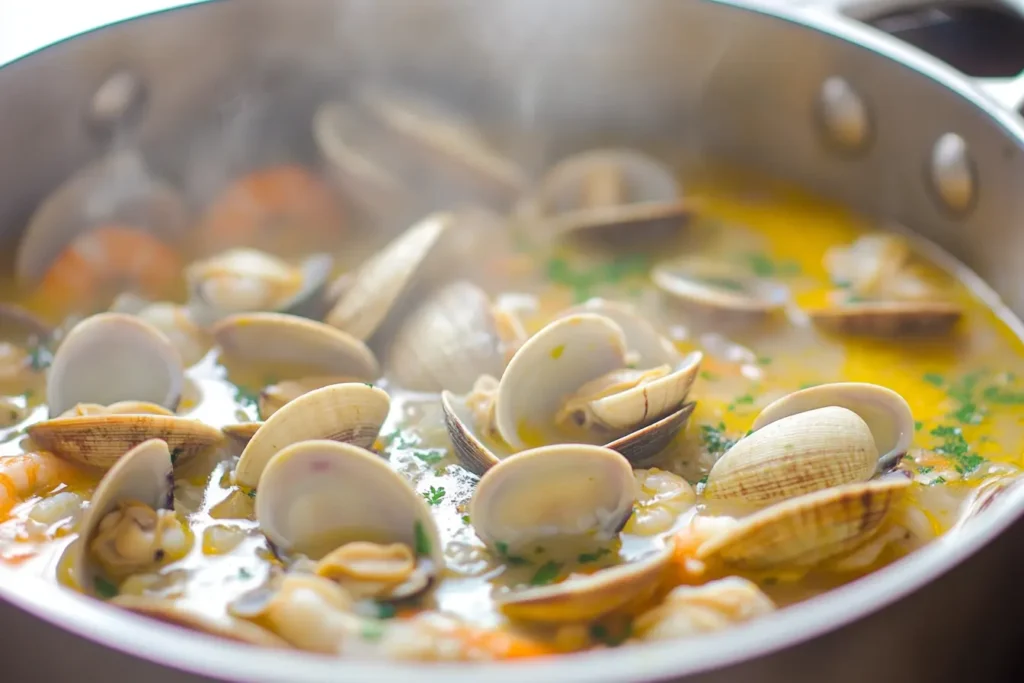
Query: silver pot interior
point(226, 86)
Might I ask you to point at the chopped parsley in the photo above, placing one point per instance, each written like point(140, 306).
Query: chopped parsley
point(398, 439)
point(937, 480)
point(604, 635)
point(956, 448)
point(546, 574)
point(583, 281)
point(714, 438)
point(373, 630)
point(925, 469)
point(251, 493)
point(512, 560)
point(917, 425)
point(465, 519)
point(104, 588)
point(385, 610)
point(586, 558)
point(934, 379)
point(763, 266)
point(435, 495)
point(244, 573)
point(764, 360)
point(707, 376)
point(431, 456)
point(40, 357)
point(246, 398)
point(423, 546)
point(996, 395)
point(744, 400)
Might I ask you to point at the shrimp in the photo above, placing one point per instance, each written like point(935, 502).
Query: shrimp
point(101, 263)
point(279, 209)
point(23, 475)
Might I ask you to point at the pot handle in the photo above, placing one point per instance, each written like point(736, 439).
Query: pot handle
point(1008, 92)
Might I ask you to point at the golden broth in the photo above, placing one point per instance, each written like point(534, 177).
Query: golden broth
point(962, 389)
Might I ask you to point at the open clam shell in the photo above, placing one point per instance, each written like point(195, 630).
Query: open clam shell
point(111, 357)
point(375, 289)
point(353, 413)
point(607, 188)
point(448, 342)
point(651, 347)
point(886, 413)
point(475, 451)
point(588, 597)
point(117, 188)
point(101, 440)
point(889, 318)
point(804, 531)
point(243, 280)
point(144, 474)
point(318, 495)
point(292, 340)
point(222, 626)
point(718, 287)
point(793, 455)
point(564, 490)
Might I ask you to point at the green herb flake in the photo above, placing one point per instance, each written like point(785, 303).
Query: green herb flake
point(708, 376)
point(763, 266)
point(934, 379)
point(251, 493)
point(244, 573)
point(606, 636)
point(956, 448)
point(465, 519)
point(925, 469)
point(511, 560)
point(423, 546)
point(546, 574)
point(587, 558)
point(373, 630)
point(714, 438)
point(246, 398)
point(937, 480)
point(40, 357)
point(917, 425)
point(431, 456)
point(764, 360)
point(435, 495)
point(386, 610)
point(104, 588)
point(994, 394)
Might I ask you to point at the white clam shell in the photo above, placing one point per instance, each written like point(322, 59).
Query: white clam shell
point(449, 341)
point(353, 413)
point(888, 319)
point(795, 454)
point(377, 286)
point(562, 490)
point(119, 189)
point(317, 495)
point(144, 474)
point(588, 597)
point(475, 451)
point(548, 368)
point(651, 347)
point(111, 357)
point(718, 287)
point(290, 339)
point(886, 413)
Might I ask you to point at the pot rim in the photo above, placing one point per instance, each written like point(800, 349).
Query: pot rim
point(196, 653)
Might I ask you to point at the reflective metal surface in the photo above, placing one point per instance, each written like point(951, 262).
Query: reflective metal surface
point(229, 84)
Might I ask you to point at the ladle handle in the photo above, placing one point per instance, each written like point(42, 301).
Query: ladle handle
point(1008, 91)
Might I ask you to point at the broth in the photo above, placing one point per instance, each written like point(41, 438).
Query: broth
point(962, 388)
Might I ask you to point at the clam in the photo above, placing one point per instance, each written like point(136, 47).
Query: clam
point(885, 412)
point(569, 383)
point(345, 507)
point(585, 597)
point(378, 285)
point(99, 440)
point(797, 454)
point(803, 531)
point(141, 482)
point(453, 338)
point(353, 413)
point(448, 142)
point(112, 357)
point(119, 408)
point(176, 322)
point(275, 396)
point(280, 338)
point(116, 189)
point(718, 287)
point(650, 346)
point(889, 318)
point(606, 188)
point(243, 280)
point(553, 491)
point(867, 266)
point(222, 625)
point(242, 432)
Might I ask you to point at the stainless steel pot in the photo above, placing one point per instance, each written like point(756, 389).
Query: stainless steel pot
point(795, 88)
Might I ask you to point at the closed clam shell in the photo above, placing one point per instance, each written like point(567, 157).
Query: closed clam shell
point(803, 531)
point(144, 474)
point(889, 318)
point(551, 365)
point(794, 455)
point(117, 188)
point(353, 413)
point(318, 495)
point(380, 281)
point(111, 357)
point(570, 489)
point(222, 625)
point(886, 413)
point(718, 287)
point(101, 440)
point(447, 342)
point(588, 597)
point(290, 339)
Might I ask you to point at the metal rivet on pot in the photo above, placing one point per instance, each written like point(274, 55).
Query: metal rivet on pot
point(118, 102)
point(843, 115)
point(952, 173)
